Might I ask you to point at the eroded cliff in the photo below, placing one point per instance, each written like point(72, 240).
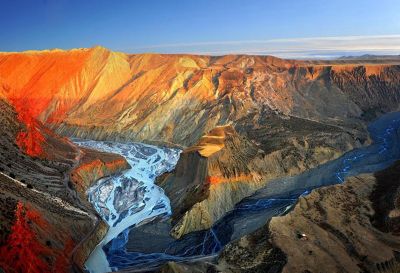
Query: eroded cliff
point(224, 167)
point(46, 225)
point(179, 98)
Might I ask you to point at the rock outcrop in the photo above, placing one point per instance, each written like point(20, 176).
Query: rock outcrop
point(41, 231)
point(211, 177)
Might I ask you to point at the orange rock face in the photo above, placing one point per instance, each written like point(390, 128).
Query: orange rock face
point(98, 93)
point(31, 140)
point(220, 179)
point(47, 84)
point(24, 252)
point(34, 78)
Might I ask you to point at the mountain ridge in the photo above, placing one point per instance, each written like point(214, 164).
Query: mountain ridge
point(291, 115)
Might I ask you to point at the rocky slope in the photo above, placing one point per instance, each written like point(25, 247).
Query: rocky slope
point(353, 227)
point(211, 177)
point(93, 166)
point(224, 167)
point(334, 226)
point(44, 220)
point(299, 113)
point(178, 98)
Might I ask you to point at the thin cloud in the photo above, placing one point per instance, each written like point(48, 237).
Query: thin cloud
point(294, 40)
point(290, 47)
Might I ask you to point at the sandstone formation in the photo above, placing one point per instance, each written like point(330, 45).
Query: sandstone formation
point(179, 98)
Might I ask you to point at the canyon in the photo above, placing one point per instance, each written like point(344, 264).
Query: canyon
point(244, 124)
point(150, 245)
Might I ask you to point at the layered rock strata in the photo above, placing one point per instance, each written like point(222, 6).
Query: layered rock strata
point(179, 98)
point(47, 224)
point(224, 167)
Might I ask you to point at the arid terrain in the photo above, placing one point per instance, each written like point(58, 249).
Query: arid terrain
point(241, 122)
point(334, 229)
point(45, 219)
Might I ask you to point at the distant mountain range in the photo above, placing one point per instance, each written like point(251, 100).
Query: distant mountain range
point(370, 57)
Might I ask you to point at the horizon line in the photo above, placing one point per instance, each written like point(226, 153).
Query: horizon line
point(286, 48)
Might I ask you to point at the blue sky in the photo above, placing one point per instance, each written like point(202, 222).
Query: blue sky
point(286, 28)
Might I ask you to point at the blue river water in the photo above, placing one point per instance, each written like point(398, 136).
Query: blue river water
point(275, 199)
